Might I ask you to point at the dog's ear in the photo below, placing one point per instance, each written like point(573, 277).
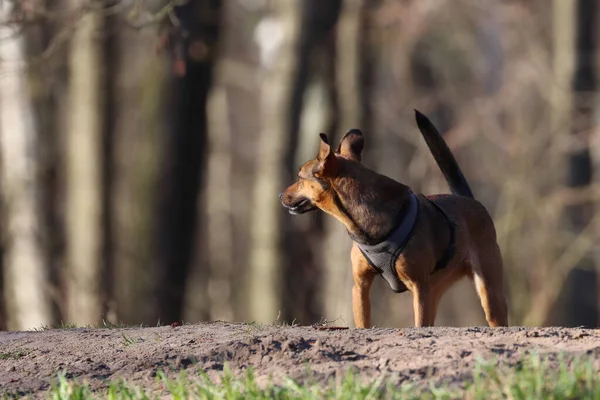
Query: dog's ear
point(351, 145)
point(324, 148)
point(326, 157)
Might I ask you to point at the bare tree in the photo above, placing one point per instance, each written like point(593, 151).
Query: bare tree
point(84, 168)
point(48, 95)
point(353, 64)
point(303, 237)
point(26, 291)
point(233, 131)
point(218, 211)
point(285, 251)
point(579, 307)
point(563, 29)
point(194, 45)
point(276, 35)
point(139, 84)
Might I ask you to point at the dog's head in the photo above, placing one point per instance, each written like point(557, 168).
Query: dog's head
point(312, 190)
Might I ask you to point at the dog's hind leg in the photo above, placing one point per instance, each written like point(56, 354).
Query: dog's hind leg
point(440, 282)
point(492, 301)
point(489, 282)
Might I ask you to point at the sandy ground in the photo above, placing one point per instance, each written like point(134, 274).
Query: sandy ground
point(30, 360)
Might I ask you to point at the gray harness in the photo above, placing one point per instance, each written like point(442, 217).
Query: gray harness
point(383, 255)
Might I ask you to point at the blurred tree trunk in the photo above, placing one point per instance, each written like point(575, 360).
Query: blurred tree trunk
point(354, 63)
point(218, 210)
point(84, 163)
point(110, 41)
point(563, 31)
point(304, 236)
point(267, 256)
point(578, 304)
point(284, 268)
point(538, 305)
point(219, 293)
point(139, 87)
point(239, 93)
point(195, 50)
point(26, 291)
point(48, 86)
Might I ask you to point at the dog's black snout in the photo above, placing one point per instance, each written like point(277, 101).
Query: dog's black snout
point(280, 195)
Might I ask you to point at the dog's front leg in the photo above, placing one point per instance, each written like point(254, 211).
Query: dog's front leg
point(363, 276)
point(361, 304)
point(422, 306)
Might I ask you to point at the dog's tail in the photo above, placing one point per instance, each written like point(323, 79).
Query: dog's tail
point(443, 157)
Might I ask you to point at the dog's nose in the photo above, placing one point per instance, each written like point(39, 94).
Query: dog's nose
point(280, 195)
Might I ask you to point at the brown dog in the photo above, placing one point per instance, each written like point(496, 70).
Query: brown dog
point(419, 243)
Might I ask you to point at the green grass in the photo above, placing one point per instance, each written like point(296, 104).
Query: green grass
point(109, 325)
point(103, 324)
point(14, 355)
point(61, 325)
point(129, 340)
point(229, 388)
point(533, 378)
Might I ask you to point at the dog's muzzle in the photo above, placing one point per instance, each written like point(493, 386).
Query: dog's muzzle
point(300, 207)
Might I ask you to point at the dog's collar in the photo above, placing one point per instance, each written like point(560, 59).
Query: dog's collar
point(382, 256)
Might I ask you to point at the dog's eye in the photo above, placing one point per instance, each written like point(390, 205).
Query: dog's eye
point(323, 183)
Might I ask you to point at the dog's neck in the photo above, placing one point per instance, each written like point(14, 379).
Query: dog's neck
point(369, 204)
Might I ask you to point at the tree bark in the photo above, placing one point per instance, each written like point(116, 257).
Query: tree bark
point(26, 291)
point(84, 163)
point(303, 239)
point(353, 78)
point(267, 258)
point(48, 87)
point(185, 152)
point(579, 305)
point(218, 210)
point(563, 28)
point(284, 263)
point(140, 82)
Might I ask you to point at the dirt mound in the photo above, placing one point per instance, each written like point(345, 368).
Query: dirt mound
point(30, 360)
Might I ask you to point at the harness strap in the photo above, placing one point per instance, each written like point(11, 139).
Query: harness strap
point(451, 249)
point(382, 257)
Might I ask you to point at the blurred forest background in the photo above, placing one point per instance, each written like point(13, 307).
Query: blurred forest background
point(143, 145)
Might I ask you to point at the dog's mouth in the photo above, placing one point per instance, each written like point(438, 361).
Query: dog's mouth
point(300, 207)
